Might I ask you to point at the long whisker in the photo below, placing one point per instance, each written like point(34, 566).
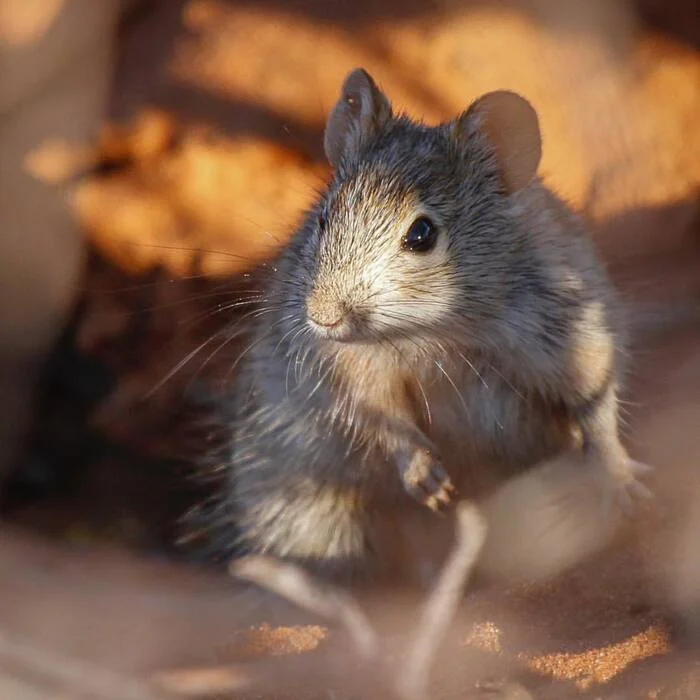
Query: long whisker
point(209, 251)
point(284, 319)
point(231, 333)
point(321, 379)
point(299, 362)
point(247, 316)
point(252, 345)
point(473, 368)
point(453, 385)
point(426, 403)
point(230, 337)
point(181, 364)
point(220, 308)
point(180, 279)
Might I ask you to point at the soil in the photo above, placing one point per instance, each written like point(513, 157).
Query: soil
point(211, 149)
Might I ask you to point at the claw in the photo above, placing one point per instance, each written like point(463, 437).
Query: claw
point(426, 480)
point(438, 501)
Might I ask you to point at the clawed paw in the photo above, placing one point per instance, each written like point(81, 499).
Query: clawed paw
point(426, 480)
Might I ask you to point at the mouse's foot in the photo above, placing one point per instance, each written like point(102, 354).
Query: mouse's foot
point(426, 480)
point(627, 487)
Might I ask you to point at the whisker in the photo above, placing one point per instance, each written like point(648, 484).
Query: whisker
point(300, 361)
point(220, 308)
point(473, 368)
point(321, 379)
point(145, 285)
point(209, 251)
point(181, 364)
point(293, 359)
point(248, 315)
point(230, 337)
point(284, 319)
point(454, 386)
point(252, 345)
point(424, 396)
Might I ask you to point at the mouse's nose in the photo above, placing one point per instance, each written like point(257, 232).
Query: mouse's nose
point(327, 313)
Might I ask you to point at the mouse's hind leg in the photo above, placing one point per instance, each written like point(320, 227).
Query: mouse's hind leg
point(603, 449)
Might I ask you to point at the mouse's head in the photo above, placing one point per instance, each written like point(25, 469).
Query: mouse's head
point(416, 232)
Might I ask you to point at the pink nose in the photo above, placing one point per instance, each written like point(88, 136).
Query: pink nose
point(324, 312)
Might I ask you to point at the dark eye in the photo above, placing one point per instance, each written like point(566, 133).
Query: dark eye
point(421, 237)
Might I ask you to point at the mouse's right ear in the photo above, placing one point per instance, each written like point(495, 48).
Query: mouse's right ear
point(357, 117)
point(511, 126)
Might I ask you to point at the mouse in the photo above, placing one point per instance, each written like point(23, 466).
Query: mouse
point(439, 322)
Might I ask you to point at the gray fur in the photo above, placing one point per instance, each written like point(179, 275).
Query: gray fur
point(495, 351)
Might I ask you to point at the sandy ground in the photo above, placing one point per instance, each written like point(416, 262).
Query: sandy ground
point(212, 149)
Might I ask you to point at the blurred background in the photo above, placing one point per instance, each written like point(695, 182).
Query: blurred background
point(153, 150)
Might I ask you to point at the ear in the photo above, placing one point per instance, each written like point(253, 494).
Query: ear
point(510, 124)
point(358, 116)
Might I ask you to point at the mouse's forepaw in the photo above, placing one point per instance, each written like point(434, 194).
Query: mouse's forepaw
point(426, 480)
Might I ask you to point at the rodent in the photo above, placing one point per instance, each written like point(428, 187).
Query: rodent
point(438, 322)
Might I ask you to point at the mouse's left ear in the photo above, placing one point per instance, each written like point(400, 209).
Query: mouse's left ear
point(510, 124)
point(357, 117)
